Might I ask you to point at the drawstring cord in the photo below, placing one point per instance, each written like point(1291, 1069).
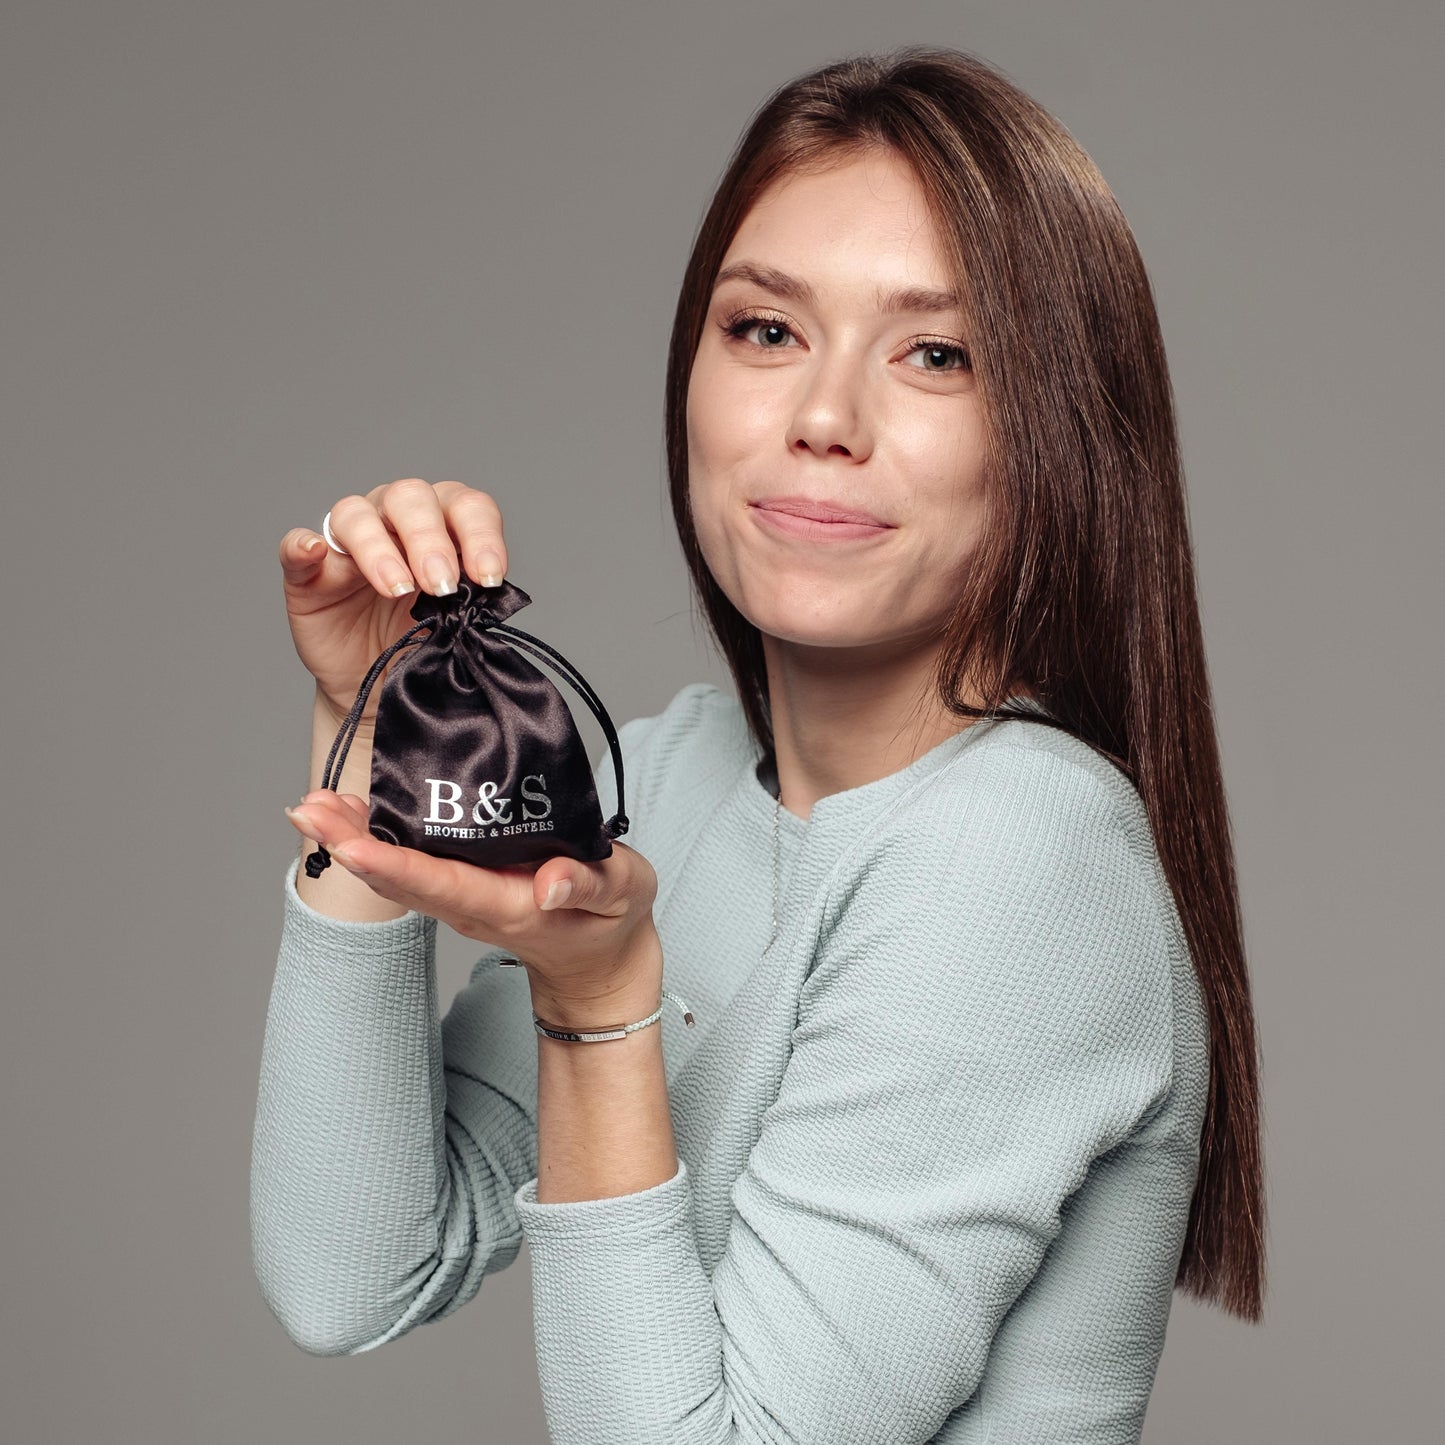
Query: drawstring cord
point(320, 860)
point(615, 826)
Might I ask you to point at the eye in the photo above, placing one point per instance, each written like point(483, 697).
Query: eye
point(931, 347)
point(737, 326)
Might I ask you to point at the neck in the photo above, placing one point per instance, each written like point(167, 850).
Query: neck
point(843, 718)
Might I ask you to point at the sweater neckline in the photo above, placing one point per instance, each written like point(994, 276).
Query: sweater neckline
point(853, 803)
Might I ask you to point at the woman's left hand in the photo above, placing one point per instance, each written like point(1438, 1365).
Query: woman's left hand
point(594, 945)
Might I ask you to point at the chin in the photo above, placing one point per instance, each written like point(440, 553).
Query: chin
point(804, 628)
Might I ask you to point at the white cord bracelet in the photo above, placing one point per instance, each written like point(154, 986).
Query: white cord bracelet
point(597, 1036)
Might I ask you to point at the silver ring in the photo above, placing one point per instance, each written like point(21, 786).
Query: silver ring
point(330, 540)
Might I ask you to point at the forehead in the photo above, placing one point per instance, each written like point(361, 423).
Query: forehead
point(864, 221)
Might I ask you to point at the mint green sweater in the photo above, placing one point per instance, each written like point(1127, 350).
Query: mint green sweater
point(936, 1145)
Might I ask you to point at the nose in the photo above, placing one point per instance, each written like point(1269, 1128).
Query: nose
point(830, 412)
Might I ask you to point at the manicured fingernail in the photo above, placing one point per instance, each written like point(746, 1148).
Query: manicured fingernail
point(489, 566)
point(558, 893)
point(345, 856)
point(397, 581)
point(312, 543)
point(297, 815)
point(439, 574)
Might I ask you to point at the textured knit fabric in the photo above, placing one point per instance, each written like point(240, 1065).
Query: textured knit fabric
point(937, 1144)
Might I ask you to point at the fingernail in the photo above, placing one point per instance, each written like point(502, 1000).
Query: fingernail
point(344, 855)
point(558, 893)
point(397, 583)
point(297, 815)
point(489, 565)
point(312, 543)
point(439, 574)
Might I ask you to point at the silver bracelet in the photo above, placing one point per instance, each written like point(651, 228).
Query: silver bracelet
point(616, 1031)
point(597, 1036)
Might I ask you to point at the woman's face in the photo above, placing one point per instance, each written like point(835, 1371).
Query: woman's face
point(826, 394)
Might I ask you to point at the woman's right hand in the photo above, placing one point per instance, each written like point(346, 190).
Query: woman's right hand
point(345, 611)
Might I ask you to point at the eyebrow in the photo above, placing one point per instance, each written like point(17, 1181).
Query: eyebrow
point(904, 299)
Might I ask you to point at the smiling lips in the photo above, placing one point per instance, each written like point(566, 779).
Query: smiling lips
point(816, 520)
point(818, 510)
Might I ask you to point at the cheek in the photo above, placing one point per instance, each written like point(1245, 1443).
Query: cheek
point(703, 488)
point(947, 505)
point(719, 446)
point(701, 463)
point(736, 414)
point(948, 459)
point(711, 439)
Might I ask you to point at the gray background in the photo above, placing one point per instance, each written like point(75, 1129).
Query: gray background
point(259, 256)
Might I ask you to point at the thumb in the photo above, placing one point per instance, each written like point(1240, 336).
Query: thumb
point(555, 889)
point(302, 552)
point(589, 886)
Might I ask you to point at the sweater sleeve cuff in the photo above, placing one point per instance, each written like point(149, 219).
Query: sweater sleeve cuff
point(628, 1338)
point(550, 1228)
point(349, 942)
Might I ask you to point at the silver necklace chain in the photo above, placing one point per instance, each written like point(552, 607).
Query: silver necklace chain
point(777, 810)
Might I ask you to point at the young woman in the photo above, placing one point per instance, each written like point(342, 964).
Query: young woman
point(947, 887)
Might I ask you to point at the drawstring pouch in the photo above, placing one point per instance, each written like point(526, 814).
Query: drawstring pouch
point(476, 754)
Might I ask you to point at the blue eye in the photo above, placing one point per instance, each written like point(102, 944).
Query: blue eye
point(736, 328)
point(965, 363)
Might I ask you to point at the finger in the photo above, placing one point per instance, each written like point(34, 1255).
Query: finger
point(439, 887)
point(335, 825)
point(358, 526)
point(324, 818)
point(302, 553)
point(412, 508)
point(565, 883)
point(353, 804)
point(476, 523)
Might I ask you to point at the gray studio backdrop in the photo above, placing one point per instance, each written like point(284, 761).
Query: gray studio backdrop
point(259, 256)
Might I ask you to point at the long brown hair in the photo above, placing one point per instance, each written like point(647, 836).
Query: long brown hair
point(1082, 589)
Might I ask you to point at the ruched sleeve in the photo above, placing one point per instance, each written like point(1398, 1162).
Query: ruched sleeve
point(381, 1179)
point(389, 1142)
point(989, 1009)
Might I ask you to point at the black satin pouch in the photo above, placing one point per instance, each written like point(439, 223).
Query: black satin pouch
point(477, 756)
